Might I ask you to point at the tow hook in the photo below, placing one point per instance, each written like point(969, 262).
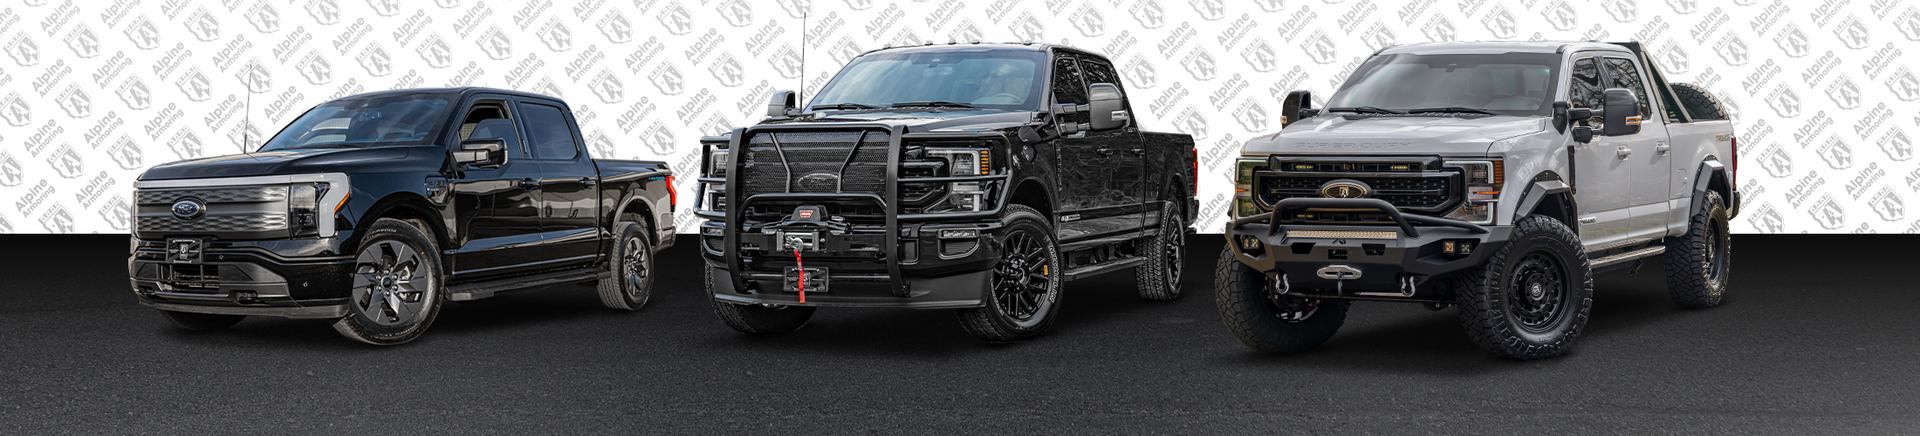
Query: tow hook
point(1277, 286)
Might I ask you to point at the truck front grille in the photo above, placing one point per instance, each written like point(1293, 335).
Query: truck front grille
point(234, 212)
point(1429, 192)
point(815, 162)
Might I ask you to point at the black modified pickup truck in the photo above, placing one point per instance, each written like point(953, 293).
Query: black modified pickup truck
point(976, 177)
point(374, 210)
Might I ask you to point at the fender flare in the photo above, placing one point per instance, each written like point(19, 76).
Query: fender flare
point(1538, 191)
point(1703, 180)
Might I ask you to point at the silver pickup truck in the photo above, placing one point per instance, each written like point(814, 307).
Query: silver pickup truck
point(1497, 177)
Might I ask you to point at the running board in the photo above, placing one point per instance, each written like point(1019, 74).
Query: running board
point(1634, 255)
point(480, 290)
point(1093, 270)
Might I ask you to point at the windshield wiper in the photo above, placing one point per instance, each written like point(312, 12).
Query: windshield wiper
point(1453, 109)
point(1366, 110)
point(932, 103)
point(841, 106)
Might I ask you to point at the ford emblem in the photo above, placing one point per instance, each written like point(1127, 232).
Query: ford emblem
point(1345, 189)
point(188, 208)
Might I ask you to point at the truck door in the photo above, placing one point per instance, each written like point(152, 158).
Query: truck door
point(1650, 152)
point(569, 188)
point(1601, 172)
point(1130, 177)
point(1089, 205)
point(495, 208)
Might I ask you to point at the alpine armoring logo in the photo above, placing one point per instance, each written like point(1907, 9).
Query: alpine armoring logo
point(1889, 205)
point(736, 12)
point(616, 28)
point(202, 25)
point(14, 110)
point(1141, 75)
point(1792, 41)
point(135, 94)
point(10, 173)
point(1785, 102)
point(1560, 15)
point(1897, 145)
point(1260, 56)
point(1733, 50)
point(324, 12)
point(1625, 11)
point(1089, 21)
point(1210, 10)
point(23, 50)
point(1904, 85)
point(142, 33)
point(1149, 14)
point(83, 42)
point(1684, 7)
point(1500, 22)
point(676, 19)
point(608, 88)
point(494, 43)
point(1319, 48)
point(1199, 62)
point(1852, 33)
point(1844, 93)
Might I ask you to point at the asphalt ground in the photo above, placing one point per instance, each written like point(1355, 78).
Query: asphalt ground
point(1819, 335)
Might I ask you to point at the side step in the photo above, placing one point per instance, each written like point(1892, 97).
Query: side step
point(479, 290)
point(1097, 269)
point(1616, 259)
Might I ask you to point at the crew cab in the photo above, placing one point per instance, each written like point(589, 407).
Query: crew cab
point(372, 211)
point(975, 177)
point(1496, 177)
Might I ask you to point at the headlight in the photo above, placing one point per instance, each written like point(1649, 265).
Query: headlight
point(1484, 179)
point(305, 210)
point(966, 196)
point(1243, 202)
point(713, 195)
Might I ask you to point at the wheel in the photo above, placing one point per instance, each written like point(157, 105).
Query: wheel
point(1024, 293)
point(1290, 325)
point(631, 283)
point(1159, 278)
point(1532, 297)
point(202, 321)
point(396, 285)
point(1698, 264)
point(756, 318)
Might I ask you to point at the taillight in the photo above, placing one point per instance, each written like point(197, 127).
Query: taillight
point(1193, 171)
point(673, 195)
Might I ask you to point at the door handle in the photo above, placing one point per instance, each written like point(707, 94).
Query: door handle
point(1104, 151)
point(588, 181)
point(1140, 151)
point(1623, 152)
point(1662, 148)
point(529, 184)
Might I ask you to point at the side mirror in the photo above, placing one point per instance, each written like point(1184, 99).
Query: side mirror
point(482, 152)
point(1565, 116)
point(1622, 113)
point(785, 104)
point(1297, 106)
point(1109, 107)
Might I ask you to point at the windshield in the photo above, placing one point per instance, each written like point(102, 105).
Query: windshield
point(363, 122)
point(1506, 83)
point(997, 79)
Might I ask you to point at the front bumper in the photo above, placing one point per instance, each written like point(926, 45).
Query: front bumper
point(1361, 261)
point(934, 272)
point(293, 278)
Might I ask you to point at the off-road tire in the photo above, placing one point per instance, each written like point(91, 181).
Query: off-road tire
point(202, 321)
point(1691, 269)
point(1159, 279)
point(994, 321)
point(618, 291)
point(358, 326)
point(758, 319)
point(1483, 293)
point(1240, 293)
point(1699, 103)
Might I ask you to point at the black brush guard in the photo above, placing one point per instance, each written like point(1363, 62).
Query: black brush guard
point(897, 136)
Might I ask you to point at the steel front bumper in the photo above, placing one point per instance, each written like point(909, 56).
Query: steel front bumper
point(1360, 261)
point(935, 272)
point(283, 278)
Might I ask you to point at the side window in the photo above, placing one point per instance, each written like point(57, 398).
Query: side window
point(1067, 87)
point(1098, 71)
point(1621, 73)
point(489, 119)
point(548, 132)
point(1584, 90)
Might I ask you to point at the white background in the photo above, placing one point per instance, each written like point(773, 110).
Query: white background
point(92, 92)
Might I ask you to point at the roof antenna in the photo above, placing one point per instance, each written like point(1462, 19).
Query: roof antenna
point(799, 94)
point(246, 130)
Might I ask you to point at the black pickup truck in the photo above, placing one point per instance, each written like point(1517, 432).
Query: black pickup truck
point(976, 177)
point(373, 210)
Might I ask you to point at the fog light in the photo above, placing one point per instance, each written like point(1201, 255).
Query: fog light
point(1249, 243)
point(1460, 247)
point(711, 231)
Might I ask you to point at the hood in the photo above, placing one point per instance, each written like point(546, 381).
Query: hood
point(919, 120)
point(1434, 135)
point(284, 162)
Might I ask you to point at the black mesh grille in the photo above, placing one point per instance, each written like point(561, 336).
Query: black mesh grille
point(1431, 192)
point(814, 162)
